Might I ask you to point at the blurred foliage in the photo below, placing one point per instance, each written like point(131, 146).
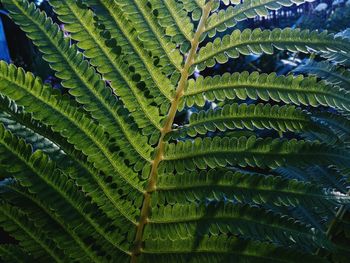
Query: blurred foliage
point(335, 18)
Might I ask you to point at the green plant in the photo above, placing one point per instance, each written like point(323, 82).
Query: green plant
point(334, 19)
point(104, 174)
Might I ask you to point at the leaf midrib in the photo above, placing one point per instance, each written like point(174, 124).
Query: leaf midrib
point(247, 117)
point(160, 151)
point(220, 151)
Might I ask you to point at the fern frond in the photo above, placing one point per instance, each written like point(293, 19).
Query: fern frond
point(323, 176)
point(22, 125)
point(243, 116)
point(259, 41)
point(224, 19)
point(40, 136)
point(118, 179)
point(37, 173)
point(84, 83)
point(72, 161)
point(52, 224)
point(73, 124)
point(327, 71)
point(110, 171)
point(30, 236)
point(194, 7)
point(309, 216)
point(105, 55)
point(252, 151)
point(244, 187)
point(14, 253)
point(91, 183)
point(172, 16)
point(191, 220)
point(340, 57)
point(151, 34)
point(288, 89)
point(114, 24)
point(338, 123)
point(219, 249)
point(57, 49)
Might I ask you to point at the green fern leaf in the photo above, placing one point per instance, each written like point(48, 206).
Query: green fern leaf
point(328, 72)
point(252, 151)
point(60, 191)
point(114, 171)
point(251, 117)
point(14, 220)
point(259, 41)
point(107, 56)
point(288, 89)
point(219, 249)
point(192, 221)
point(244, 187)
point(31, 89)
point(151, 34)
point(194, 7)
point(175, 22)
point(22, 125)
point(14, 253)
point(248, 9)
point(50, 222)
point(77, 75)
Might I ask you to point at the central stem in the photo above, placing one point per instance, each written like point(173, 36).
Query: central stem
point(180, 90)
